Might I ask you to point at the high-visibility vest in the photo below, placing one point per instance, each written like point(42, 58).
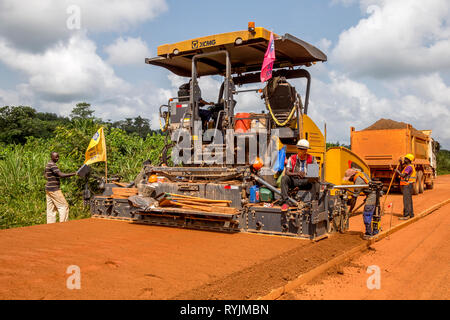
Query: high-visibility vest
point(309, 160)
point(412, 178)
point(362, 175)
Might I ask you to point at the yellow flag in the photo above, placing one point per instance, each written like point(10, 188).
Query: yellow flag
point(96, 150)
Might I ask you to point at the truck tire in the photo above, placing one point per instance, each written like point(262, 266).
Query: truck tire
point(416, 188)
point(430, 185)
point(421, 179)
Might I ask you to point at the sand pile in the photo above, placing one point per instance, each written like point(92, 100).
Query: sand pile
point(384, 124)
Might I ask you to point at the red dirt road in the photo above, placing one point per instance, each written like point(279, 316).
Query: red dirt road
point(119, 260)
point(414, 264)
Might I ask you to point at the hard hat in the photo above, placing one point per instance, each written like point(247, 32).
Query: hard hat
point(410, 157)
point(303, 144)
point(257, 164)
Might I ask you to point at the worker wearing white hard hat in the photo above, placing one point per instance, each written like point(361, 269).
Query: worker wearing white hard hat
point(295, 172)
point(303, 144)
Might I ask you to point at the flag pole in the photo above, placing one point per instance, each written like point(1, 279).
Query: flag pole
point(106, 159)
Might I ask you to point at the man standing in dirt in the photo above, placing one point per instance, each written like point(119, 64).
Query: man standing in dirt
point(56, 203)
point(407, 179)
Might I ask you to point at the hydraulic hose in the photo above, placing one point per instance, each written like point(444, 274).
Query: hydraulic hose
point(281, 124)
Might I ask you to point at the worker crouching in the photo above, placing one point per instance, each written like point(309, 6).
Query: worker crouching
point(360, 178)
point(295, 173)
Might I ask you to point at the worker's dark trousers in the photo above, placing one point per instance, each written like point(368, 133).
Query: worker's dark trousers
point(288, 182)
point(407, 200)
point(367, 218)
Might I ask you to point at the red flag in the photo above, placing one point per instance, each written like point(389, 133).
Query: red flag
point(269, 58)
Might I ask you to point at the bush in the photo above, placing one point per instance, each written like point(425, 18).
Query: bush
point(22, 182)
point(443, 162)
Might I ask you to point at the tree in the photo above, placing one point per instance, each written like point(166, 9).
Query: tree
point(142, 126)
point(82, 111)
point(18, 123)
point(139, 126)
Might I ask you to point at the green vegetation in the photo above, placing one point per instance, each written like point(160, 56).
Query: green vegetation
point(27, 137)
point(336, 144)
point(26, 141)
point(443, 162)
point(18, 123)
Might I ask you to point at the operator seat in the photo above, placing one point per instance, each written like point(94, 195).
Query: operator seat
point(183, 92)
point(281, 97)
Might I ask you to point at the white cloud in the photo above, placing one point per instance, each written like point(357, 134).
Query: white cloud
point(34, 25)
point(342, 102)
point(9, 97)
point(404, 42)
point(400, 37)
point(71, 71)
point(64, 71)
point(117, 15)
point(143, 100)
point(128, 51)
point(405, 39)
point(62, 67)
point(324, 44)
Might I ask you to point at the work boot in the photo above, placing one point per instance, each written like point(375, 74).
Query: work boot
point(368, 229)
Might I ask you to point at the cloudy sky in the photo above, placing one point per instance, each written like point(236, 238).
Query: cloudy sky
point(386, 58)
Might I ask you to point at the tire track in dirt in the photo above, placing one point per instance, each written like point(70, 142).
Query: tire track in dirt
point(261, 278)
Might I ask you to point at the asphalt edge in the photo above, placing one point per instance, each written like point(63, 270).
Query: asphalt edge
point(308, 276)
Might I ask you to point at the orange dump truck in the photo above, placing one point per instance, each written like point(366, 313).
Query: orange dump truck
point(383, 143)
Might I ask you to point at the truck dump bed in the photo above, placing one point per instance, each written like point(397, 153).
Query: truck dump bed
point(386, 141)
point(383, 143)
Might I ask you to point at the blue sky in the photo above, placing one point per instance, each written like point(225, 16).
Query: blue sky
point(386, 59)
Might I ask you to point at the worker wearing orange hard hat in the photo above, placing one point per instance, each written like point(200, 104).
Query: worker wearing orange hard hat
point(257, 164)
point(407, 180)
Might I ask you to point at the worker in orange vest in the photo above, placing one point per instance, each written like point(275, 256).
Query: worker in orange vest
point(407, 180)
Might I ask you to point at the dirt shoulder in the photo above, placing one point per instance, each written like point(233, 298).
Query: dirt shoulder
point(414, 263)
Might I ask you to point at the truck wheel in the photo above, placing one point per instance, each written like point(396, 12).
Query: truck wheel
point(421, 179)
point(430, 185)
